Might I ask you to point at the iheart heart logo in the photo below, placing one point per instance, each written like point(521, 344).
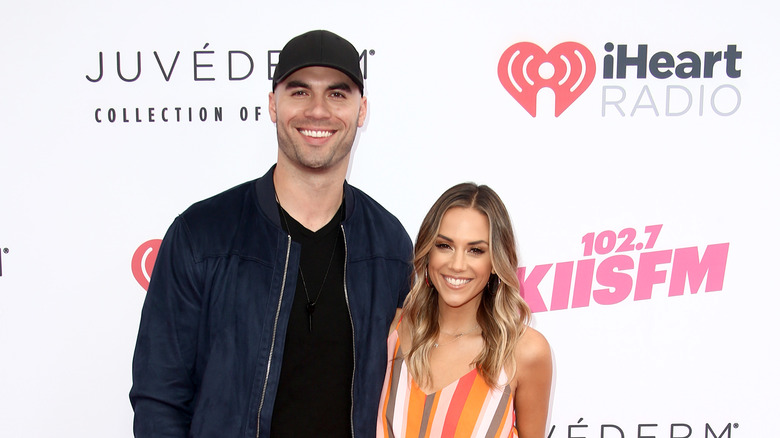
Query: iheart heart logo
point(573, 70)
point(143, 260)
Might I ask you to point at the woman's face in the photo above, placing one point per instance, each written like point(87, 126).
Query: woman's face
point(459, 262)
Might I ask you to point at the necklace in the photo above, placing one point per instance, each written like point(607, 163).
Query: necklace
point(455, 337)
point(311, 305)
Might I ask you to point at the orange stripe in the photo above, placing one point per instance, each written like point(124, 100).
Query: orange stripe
point(456, 404)
point(414, 413)
point(472, 408)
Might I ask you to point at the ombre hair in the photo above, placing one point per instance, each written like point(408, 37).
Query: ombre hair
point(502, 313)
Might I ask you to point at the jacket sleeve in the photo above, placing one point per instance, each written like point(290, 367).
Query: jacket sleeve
point(407, 270)
point(163, 389)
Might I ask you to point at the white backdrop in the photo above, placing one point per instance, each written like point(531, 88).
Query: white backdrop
point(79, 197)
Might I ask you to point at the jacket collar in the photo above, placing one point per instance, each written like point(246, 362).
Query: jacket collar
point(266, 198)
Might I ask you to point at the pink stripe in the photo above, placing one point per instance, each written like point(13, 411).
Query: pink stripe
point(445, 395)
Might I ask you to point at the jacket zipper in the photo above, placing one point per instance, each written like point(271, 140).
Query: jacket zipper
point(352, 324)
point(273, 337)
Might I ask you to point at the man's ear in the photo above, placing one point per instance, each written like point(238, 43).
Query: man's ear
point(272, 106)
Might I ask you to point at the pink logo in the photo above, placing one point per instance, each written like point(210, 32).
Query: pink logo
point(143, 261)
point(524, 69)
point(619, 264)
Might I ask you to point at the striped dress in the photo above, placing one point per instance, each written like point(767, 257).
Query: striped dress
point(468, 407)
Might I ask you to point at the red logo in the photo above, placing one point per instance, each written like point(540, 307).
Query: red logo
point(143, 261)
point(524, 69)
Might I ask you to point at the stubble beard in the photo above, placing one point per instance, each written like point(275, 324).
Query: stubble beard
point(334, 155)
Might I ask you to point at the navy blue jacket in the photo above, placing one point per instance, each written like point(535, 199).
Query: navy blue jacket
point(212, 332)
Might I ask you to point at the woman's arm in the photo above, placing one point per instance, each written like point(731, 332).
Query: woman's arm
point(394, 324)
point(533, 378)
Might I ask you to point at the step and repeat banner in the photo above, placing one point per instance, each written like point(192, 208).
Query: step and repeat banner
point(634, 143)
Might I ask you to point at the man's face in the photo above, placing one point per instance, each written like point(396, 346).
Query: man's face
point(317, 111)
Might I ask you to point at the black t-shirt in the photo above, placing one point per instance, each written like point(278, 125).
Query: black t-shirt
point(315, 386)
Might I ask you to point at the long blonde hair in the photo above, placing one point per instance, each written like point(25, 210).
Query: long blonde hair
point(502, 313)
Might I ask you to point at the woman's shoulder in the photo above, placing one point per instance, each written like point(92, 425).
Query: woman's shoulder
point(399, 333)
point(533, 381)
point(532, 350)
point(396, 320)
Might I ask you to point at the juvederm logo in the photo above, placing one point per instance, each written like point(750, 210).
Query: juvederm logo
point(636, 80)
point(116, 71)
point(582, 429)
point(143, 260)
point(617, 264)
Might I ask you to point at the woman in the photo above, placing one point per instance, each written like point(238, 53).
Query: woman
point(463, 360)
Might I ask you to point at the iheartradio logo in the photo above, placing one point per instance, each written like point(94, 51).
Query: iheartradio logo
point(525, 68)
point(143, 261)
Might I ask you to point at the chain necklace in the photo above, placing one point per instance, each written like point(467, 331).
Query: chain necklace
point(310, 305)
point(455, 337)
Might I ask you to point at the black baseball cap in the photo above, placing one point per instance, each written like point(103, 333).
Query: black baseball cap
point(319, 48)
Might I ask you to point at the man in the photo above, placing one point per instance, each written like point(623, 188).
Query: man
point(269, 306)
